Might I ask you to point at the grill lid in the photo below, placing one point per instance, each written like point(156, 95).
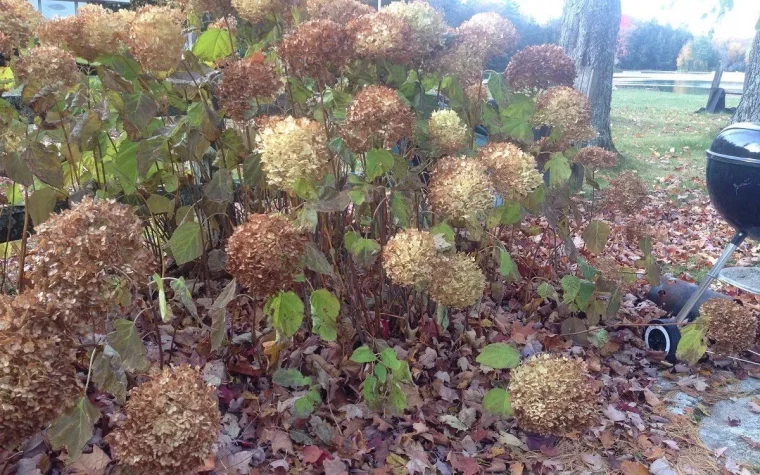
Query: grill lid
point(738, 143)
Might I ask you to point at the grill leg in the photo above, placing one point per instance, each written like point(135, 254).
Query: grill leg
point(712, 275)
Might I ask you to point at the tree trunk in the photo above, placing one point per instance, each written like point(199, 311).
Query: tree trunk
point(589, 36)
point(749, 107)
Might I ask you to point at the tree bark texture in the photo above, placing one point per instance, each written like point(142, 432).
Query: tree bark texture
point(589, 36)
point(749, 106)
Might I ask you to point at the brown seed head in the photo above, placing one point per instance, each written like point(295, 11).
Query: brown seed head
point(172, 424)
point(242, 82)
point(339, 11)
point(567, 110)
point(381, 36)
point(47, 67)
point(377, 118)
point(93, 31)
point(317, 48)
point(460, 188)
point(408, 257)
point(553, 395)
point(427, 25)
point(512, 171)
point(265, 253)
point(156, 39)
point(595, 158)
point(731, 327)
point(627, 194)
point(18, 23)
point(537, 68)
point(488, 34)
point(457, 281)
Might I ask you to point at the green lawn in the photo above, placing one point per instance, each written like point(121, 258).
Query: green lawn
point(659, 134)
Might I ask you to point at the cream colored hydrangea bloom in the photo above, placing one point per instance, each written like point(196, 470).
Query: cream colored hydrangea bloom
point(408, 257)
point(292, 149)
point(447, 131)
point(513, 172)
point(156, 38)
point(460, 188)
point(427, 24)
point(457, 281)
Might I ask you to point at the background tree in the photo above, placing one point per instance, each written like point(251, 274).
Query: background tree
point(589, 36)
point(698, 54)
point(649, 45)
point(749, 107)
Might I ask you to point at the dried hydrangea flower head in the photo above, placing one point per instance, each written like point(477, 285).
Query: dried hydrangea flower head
point(513, 172)
point(293, 149)
point(377, 118)
point(447, 131)
point(408, 257)
point(93, 31)
point(381, 36)
point(627, 194)
point(46, 67)
point(6, 44)
point(265, 254)
point(86, 256)
point(156, 39)
point(219, 7)
point(38, 379)
point(427, 25)
point(244, 81)
point(553, 395)
point(256, 10)
point(460, 189)
point(172, 423)
point(537, 68)
point(461, 61)
point(731, 326)
point(457, 281)
point(339, 11)
point(228, 22)
point(610, 275)
point(317, 48)
point(18, 23)
point(595, 158)
point(488, 34)
point(567, 110)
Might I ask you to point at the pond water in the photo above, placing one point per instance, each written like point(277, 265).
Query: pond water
point(679, 83)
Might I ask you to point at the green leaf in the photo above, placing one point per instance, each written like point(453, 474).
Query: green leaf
point(397, 398)
point(497, 89)
point(595, 235)
point(126, 341)
point(324, 313)
point(219, 314)
point(587, 271)
point(389, 359)
point(379, 162)
point(316, 260)
point(586, 291)
point(646, 245)
point(399, 210)
point(363, 355)
point(186, 243)
point(139, 109)
point(507, 267)
point(443, 235)
point(693, 345)
point(381, 371)
point(497, 402)
point(546, 290)
point(575, 329)
point(286, 310)
point(402, 373)
point(599, 337)
point(213, 45)
point(220, 187)
point(365, 251)
point(614, 303)
point(653, 273)
point(16, 168)
point(559, 170)
point(370, 391)
point(44, 163)
point(499, 356)
point(125, 166)
point(166, 314)
point(158, 204)
point(41, 205)
point(108, 376)
point(571, 285)
point(185, 297)
point(290, 378)
point(73, 429)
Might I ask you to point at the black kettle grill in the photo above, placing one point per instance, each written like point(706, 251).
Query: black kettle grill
point(733, 181)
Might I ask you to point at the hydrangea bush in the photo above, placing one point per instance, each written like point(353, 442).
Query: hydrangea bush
point(324, 154)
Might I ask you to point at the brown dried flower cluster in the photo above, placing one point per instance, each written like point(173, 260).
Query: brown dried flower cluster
point(317, 49)
point(93, 31)
point(18, 23)
point(426, 24)
point(567, 110)
point(292, 150)
point(627, 193)
point(243, 81)
point(537, 68)
point(513, 172)
point(488, 34)
point(84, 257)
point(553, 395)
point(265, 253)
point(595, 158)
point(37, 372)
point(408, 257)
point(172, 423)
point(219, 7)
point(610, 274)
point(47, 67)
point(339, 11)
point(256, 10)
point(460, 188)
point(156, 39)
point(464, 63)
point(381, 36)
point(730, 326)
point(228, 22)
point(447, 131)
point(377, 118)
point(457, 281)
